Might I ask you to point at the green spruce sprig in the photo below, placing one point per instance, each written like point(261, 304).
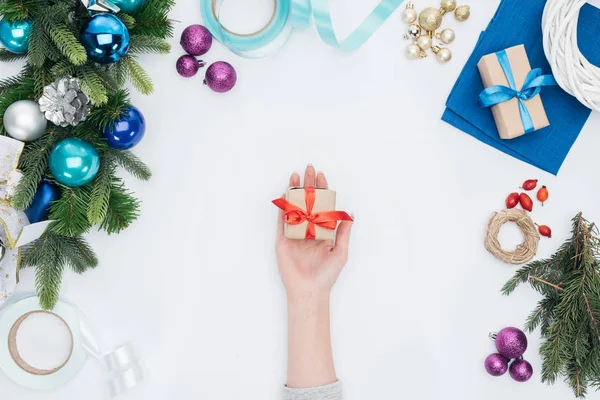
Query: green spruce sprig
point(55, 52)
point(569, 313)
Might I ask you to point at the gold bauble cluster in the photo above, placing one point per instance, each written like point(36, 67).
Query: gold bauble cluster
point(429, 21)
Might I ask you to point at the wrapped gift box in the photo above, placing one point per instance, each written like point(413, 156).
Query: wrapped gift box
point(506, 114)
point(324, 201)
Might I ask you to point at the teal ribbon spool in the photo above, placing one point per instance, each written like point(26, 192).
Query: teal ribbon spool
point(289, 15)
point(534, 81)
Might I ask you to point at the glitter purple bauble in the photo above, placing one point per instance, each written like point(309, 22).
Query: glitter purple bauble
point(196, 40)
point(520, 370)
point(496, 364)
point(220, 77)
point(188, 66)
point(511, 342)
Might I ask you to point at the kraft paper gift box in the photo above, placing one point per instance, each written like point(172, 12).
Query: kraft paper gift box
point(506, 114)
point(309, 213)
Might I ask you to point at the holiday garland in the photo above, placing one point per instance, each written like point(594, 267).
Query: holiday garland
point(55, 51)
point(569, 313)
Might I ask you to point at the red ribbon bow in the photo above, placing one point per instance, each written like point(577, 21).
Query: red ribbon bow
point(294, 215)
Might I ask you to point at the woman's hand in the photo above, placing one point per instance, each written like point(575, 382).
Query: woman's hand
point(310, 268)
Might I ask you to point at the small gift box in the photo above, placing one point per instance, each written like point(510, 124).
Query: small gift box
point(309, 213)
point(512, 90)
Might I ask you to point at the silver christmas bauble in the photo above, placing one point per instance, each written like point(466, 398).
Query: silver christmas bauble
point(24, 121)
point(414, 32)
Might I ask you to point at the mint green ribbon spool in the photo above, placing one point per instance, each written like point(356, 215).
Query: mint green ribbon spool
point(287, 16)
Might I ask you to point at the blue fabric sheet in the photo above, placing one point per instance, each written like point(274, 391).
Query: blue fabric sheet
point(519, 22)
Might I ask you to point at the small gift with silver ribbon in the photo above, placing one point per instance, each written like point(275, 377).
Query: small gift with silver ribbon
point(15, 229)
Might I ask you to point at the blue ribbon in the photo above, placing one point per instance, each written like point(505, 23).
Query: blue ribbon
point(534, 81)
point(294, 14)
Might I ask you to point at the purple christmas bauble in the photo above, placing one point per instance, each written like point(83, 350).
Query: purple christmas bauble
point(196, 40)
point(496, 364)
point(220, 77)
point(187, 66)
point(520, 370)
point(511, 342)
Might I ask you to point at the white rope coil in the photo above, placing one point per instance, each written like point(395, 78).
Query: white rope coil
point(573, 72)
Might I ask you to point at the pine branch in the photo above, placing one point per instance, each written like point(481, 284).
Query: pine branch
point(101, 187)
point(44, 255)
point(34, 165)
point(132, 164)
point(123, 209)
point(39, 41)
point(77, 253)
point(68, 44)
point(137, 76)
point(92, 85)
point(148, 44)
point(112, 110)
point(8, 56)
point(69, 213)
point(569, 313)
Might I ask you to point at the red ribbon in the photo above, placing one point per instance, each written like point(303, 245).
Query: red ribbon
point(294, 215)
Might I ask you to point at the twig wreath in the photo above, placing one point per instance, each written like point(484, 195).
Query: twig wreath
point(526, 250)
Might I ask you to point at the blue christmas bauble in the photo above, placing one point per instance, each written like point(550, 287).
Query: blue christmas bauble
point(14, 36)
point(127, 131)
point(105, 38)
point(74, 162)
point(129, 6)
point(46, 193)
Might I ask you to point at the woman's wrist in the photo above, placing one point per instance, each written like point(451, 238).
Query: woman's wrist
point(310, 356)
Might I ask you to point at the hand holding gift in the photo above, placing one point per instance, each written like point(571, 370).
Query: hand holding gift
point(311, 266)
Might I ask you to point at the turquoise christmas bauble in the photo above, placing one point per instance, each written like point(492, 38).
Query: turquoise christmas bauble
point(14, 36)
point(74, 162)
point(129, 6)
point(105, 38)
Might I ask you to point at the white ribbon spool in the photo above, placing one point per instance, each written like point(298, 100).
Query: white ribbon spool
point(121, 365)
point(572, 71)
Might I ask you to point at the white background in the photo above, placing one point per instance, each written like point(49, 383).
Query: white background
point(194, 282)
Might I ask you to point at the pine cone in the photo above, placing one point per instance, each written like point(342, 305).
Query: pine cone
point(64, 103)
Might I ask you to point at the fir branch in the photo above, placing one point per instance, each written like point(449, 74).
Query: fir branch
point(62, 69)
point(77, 253)
point(34, 165)
point(123, 209)
point(132, 164)
point(113, 109)
point(101, 187)
point(137, 76)
point(39, 41)
point(92, 85)
point(127, 20)
point(68, 44)
point(44, 255)
point(148, 44)
point(69, 213)
point(569, 312)
point(8, 56)
point(19, 10)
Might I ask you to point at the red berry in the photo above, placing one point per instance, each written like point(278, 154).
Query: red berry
point(526, 202)
point(512, 200)
point(542, 194)
point(530, 184)
point(545, 230)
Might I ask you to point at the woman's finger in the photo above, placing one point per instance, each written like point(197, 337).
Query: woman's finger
point(294, 180)
point(322, 181)
point(310, 176)
point(342, 239)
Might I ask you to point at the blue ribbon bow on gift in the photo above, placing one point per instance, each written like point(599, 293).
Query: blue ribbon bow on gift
point(534, 81)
